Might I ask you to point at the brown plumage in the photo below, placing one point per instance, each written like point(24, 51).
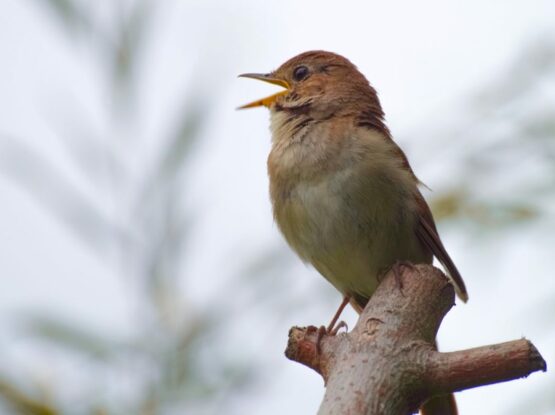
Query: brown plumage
point(343, 193)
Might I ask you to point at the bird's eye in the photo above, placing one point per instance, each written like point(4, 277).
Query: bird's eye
point(300, 73)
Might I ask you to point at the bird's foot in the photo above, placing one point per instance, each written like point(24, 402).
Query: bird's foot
point(329, 331)
point(397, 269)
point(332, 331)
point(333, 328)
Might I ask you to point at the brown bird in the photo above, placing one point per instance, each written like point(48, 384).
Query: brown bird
point(343, 192)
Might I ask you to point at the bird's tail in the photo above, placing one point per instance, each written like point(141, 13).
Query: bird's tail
point(437, 405)
point(440, 405)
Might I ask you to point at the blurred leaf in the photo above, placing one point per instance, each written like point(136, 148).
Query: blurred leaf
point(528, 69)
point(158, 208)
point(458, 204)
point(22, 403)
point(449, 204)
point(190, 121)
point(72, 337)
point(58, 196)
point(98, 160)
point(70, 13)
point(129, 39)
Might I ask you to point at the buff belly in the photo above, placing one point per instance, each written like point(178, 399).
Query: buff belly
point(351, 231)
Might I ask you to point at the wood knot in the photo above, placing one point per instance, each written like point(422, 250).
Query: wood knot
point(302, 347)
point(372, 326)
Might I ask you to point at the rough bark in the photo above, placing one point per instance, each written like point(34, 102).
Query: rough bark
point(388, 364)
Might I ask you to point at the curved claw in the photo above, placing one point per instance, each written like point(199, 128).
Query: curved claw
point(338, 327)
point(327, 331)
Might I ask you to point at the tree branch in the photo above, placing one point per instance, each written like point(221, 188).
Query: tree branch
point(388, 363)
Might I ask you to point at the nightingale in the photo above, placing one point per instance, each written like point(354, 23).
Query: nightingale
point(343, 193)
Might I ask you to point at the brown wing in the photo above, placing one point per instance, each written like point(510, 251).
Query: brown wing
point(427, 233)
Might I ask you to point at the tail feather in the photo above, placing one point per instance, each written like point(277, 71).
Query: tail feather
point(440, 405)
point(427, 233)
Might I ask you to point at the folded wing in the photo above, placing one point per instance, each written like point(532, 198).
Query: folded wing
point(427, 234)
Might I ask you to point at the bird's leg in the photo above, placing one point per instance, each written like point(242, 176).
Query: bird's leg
point(333, 327)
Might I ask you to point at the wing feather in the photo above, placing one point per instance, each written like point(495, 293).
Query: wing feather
point(427, 234)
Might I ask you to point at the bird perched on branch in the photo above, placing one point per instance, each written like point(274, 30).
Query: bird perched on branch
point(343, 193)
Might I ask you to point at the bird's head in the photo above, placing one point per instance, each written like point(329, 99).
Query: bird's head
point(317, 83)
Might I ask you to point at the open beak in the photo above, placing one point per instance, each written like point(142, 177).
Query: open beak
point(266, 102)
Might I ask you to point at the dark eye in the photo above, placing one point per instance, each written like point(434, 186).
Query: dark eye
point(300, 73)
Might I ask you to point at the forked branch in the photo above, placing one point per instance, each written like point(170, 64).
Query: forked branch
point(388, 364)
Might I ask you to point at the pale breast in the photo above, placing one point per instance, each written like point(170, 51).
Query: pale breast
point(351, 222)
point(350, 234)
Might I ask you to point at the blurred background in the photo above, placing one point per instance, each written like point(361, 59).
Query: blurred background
point(140, 269)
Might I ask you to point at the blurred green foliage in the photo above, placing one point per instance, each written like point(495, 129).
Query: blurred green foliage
point(149, 243)
point(21, 403)
point(506, 135)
